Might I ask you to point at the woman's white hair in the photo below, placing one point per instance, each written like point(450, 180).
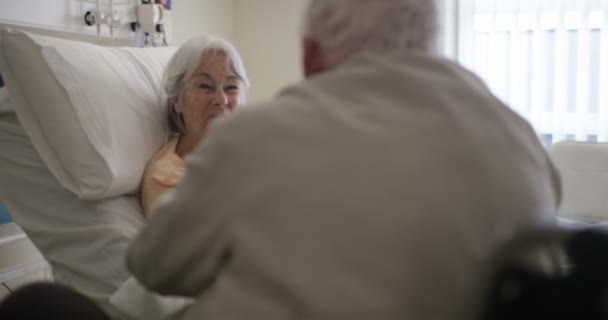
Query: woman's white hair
point(342, 28)
point(185, 62)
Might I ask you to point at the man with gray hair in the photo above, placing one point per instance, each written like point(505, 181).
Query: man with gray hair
point(378, 188)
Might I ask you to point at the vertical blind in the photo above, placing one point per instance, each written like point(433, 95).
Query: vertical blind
point(547, 59)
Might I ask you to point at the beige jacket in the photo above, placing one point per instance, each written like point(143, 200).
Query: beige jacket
point(378, 190)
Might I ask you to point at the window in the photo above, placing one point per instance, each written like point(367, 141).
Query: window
point(547, 59)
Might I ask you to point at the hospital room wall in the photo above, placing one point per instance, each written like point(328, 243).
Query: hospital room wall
point(199, 17)
point(266, 32)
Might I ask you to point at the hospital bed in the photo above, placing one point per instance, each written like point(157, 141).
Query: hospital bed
point(70, 178)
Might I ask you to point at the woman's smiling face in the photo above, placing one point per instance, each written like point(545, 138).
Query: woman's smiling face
point(213, 90)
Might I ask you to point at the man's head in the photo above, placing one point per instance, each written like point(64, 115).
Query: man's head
point(335, 30)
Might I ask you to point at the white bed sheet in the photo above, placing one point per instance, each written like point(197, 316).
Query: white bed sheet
point(83, 241)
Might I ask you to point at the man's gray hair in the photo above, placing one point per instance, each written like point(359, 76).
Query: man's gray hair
point(343, 28)
point(185, 62)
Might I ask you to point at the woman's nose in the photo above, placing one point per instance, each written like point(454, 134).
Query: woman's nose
point(221, 99)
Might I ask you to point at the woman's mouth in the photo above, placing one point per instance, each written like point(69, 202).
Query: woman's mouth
point(214, 115)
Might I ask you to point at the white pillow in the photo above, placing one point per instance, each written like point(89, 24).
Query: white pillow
point(93, 113)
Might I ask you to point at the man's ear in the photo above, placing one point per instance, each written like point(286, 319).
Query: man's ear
point(312, 58)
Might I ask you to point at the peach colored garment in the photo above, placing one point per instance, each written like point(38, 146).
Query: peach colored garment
point(163, 172)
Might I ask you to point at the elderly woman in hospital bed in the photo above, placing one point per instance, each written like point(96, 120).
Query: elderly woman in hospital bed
point(86, 121)
point(204, 79)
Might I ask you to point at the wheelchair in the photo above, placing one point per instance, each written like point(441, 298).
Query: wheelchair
point(573, 284)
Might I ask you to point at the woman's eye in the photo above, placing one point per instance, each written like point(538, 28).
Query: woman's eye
point(205, 86)
point(232, 88)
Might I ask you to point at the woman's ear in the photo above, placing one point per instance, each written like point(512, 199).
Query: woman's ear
point(176, 105)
